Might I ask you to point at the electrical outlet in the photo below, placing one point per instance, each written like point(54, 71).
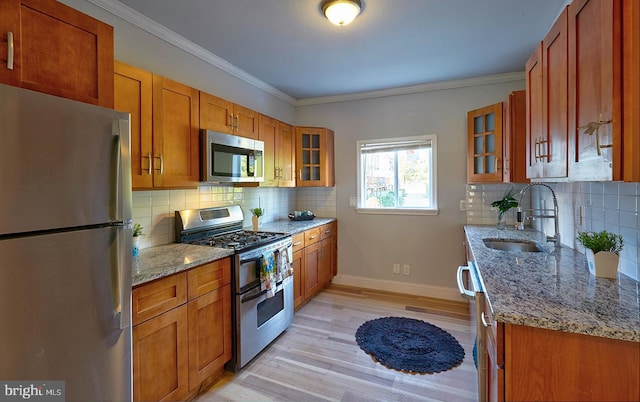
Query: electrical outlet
point(406, 269)
point(396, 268)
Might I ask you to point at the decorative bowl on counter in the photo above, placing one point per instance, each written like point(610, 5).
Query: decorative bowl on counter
point(302, 216)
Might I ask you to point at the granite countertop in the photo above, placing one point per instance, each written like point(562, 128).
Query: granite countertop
point(160, 261)
point(157, 262)
point(292, 227)
point(554, 290)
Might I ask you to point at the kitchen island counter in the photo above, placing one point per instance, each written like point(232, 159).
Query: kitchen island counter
point(553, 290)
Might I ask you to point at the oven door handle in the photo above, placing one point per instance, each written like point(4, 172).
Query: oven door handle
point(258, 258)
point(256, 295)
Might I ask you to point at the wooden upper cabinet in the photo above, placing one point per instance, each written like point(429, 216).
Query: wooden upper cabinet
point(514, 138)
point(314, 157)
point(164, 128)
point(631, 93)
point(226, 117)
point(547, 95)
point(279, 152)
point(553, 147)
point(268, 132)
point(133, 94)
point(246, 122)
point(484, 144)
point(175, 134)
point(56, 50)
point(215, 113)
point(286, 155)
point(595, 90)
point(534, 110)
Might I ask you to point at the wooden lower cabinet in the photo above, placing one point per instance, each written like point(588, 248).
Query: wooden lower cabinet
point(546, 365)
point(314, 261)
point(181, 332)
point(160, 357)
point(209, 343)
point(298, 267)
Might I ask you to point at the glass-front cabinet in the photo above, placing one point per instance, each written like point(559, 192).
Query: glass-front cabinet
point(314, 157)
point(484, 148)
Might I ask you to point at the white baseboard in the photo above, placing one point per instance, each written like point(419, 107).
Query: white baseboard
point(398, 287)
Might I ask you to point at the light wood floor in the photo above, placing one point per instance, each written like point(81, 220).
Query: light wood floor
point(318, 359)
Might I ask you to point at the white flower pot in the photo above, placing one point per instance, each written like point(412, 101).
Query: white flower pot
point(603, 264)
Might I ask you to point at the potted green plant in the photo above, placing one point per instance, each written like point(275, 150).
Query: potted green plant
point(603, 252)
point(257, 213)
point(503, 205)
point(137, 232)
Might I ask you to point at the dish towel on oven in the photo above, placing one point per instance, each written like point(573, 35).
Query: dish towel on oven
point(284, 265)
point(268, 273)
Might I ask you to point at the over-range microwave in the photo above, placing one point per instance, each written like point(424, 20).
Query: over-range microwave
point(230, 158)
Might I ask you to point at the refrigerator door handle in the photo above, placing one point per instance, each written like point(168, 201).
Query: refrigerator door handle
point(121, 179)
point(121, 275)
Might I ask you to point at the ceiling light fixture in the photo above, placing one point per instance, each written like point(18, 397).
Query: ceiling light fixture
point(341, 12)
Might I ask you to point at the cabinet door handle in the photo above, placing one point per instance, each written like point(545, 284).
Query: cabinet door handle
point(231, 122)
point(237, 122)
point(10, 50)
point(161, 164)
point(483, 318)
point(150, 164)
point(313, 237)
point(297, 243)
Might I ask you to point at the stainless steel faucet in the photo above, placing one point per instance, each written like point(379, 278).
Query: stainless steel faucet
point(543, 213)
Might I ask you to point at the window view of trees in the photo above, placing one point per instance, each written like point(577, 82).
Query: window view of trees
point(397, 177)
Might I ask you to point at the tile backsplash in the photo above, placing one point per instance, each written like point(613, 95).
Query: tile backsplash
point(583, 206)
point(155, 210)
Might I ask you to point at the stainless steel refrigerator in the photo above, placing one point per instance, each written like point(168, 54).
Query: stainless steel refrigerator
point(65, 245)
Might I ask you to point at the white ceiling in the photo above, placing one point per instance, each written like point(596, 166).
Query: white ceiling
point(290, 46)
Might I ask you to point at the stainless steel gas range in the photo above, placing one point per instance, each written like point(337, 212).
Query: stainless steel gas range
point(261, 272)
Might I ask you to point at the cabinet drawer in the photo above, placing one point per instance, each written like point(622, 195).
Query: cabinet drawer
point(208, 277)
point(311, 236)
point(328, 230)
point(155, 298)
point(298, 241)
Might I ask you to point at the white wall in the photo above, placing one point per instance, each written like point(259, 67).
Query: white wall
point(369, 245)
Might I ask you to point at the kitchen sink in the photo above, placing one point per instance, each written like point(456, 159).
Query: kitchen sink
point(513, 245)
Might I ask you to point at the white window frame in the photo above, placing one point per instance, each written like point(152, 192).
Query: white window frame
point(432, 210)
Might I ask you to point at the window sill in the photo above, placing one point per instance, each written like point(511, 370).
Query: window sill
point(397, 211)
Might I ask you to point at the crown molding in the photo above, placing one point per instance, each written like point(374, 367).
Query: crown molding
point(139, 20)
point(148, 25)
point(436, 86)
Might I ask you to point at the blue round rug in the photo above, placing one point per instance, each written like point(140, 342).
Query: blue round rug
point(410, 345)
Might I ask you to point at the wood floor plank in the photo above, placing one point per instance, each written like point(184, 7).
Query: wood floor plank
point(318, 359)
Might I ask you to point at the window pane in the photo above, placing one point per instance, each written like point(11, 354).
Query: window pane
point(397, 174)
point(413, 178)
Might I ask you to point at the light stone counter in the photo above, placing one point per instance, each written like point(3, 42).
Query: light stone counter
point(554, 290)
point(292, 227)
point(157, 262)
